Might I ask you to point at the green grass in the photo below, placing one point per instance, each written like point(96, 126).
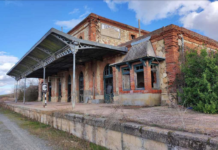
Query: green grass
point(58, 139)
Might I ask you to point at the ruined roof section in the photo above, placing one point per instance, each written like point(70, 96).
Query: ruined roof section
point(108, 20)
point(180, 30)
point(140, 50)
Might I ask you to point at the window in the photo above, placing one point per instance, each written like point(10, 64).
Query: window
point(139, 71)
point(126, 78)
point(81, 37)
point(154, 76)
point(132, 36)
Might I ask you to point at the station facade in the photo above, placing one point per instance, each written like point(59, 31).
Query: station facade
point(141, 76)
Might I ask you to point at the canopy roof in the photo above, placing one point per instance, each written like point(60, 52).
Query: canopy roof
point(53, 51)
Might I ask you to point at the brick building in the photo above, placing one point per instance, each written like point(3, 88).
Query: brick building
point(118, 66)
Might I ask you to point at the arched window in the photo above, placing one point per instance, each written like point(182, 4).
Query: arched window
point(81, 37)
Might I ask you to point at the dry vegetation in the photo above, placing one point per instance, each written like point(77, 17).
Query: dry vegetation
point(59, 140)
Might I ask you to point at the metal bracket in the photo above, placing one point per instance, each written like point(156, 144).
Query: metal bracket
point(117, 67)
point(129, 65)
point(34, 58)
point(143, 62)
point(150, 61)
point(45, 50)
point(74, 47)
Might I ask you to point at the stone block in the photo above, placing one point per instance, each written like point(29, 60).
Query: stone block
point(79, 127)
point(65, 126)
point(154, 145)
point(132, 142)
point(114, 140)
point(88, 133)
point(132, 128)
point(58, 123)
point(101, 136)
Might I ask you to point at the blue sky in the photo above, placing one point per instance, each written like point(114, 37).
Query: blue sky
point(23, 23)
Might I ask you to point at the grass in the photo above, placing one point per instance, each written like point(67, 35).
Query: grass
point(58, 139)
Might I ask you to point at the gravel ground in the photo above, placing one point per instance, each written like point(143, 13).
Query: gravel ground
point(12, 137)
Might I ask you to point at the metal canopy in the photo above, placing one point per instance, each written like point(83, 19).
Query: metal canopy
point(53, 51)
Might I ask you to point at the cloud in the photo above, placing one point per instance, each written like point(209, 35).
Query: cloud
point(76, 10)
point(69, 24)
point(6, 63)
point(148, 11)
point(206, 20)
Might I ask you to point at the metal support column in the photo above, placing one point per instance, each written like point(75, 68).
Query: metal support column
point(74, 49)
point(24, 92)
point(16, 91)
point(45, 101)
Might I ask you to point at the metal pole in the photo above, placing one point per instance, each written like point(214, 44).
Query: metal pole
point(24, 93)
point(74, 70)
point(16, 92)
point(45, 102)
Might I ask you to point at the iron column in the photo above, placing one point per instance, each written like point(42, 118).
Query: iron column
point(45, 102)
point(16, 92)
point(24, 92)
point(74, 49)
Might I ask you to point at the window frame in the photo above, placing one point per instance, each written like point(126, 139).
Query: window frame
point(126, 73)
point(157, 75)
point(137, 71)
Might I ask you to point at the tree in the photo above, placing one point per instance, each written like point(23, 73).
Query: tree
point(200, 90)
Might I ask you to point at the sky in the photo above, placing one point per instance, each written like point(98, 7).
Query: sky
point(23, 23)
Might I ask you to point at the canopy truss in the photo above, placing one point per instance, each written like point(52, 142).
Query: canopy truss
point(54, 51)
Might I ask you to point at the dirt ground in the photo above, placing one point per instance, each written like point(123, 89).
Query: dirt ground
point(161, 116)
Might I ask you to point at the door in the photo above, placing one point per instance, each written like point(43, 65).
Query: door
point(49, 94)
point(108, 84)
point(81, 88)
point(59, 89)
point(69, 88)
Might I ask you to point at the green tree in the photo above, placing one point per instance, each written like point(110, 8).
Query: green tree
point(201, 81)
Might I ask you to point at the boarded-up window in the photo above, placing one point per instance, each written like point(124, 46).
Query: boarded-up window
point(139, 72)
point(154, 77)
point(126, 78)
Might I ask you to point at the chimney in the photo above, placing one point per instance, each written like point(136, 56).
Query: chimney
point(62, 29)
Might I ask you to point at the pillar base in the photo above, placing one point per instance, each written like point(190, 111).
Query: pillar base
point(64, 99)
point(54, 99)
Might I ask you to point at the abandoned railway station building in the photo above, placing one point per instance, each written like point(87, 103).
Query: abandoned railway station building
point(112, 62)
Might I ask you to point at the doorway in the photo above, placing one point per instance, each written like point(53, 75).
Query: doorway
point(59, 90)
point(69, 88)
point(108, 84)
point(49, 91)
point(81, 88)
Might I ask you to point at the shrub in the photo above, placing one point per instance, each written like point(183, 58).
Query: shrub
point(201, 81)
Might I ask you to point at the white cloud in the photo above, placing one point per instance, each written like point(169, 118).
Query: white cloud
point(6, 63)
point(76, 10)
point(200, 15)
point(69, 24)
point(206, 20)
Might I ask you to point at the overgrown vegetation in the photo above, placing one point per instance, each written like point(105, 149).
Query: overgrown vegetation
point(197, 84)
point(58, 139)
